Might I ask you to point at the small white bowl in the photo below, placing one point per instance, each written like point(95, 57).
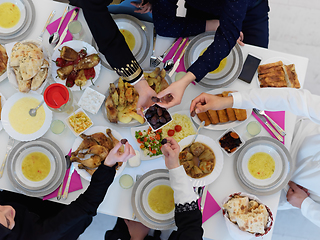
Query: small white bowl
point(241, 139)
point(71, 128)
point(91, 100)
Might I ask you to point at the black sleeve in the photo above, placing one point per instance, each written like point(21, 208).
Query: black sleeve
point(188, 219)
point(73, 219)
point(109, 39)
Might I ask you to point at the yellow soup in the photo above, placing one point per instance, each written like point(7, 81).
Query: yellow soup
point(128, 36)
point(36, 166)
point(9, 15)
point(261, 165)
point(222, 64)
point(160, 199)
point(20, 119)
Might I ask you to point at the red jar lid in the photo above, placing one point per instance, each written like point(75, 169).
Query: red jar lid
point(56, 95)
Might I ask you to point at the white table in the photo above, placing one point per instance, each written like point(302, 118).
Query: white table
point(118, 201)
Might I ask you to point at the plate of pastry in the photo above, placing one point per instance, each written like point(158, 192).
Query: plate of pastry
point(225, 118)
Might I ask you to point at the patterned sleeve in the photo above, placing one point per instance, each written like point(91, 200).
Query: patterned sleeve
point(109, 39)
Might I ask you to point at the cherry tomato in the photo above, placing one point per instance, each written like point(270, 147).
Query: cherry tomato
point(171, 132)
point(60, 62)
point(177, 128)
point(154, 151)
point(157, 137)
point(90, 73)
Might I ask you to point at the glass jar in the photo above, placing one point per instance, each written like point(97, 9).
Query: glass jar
point(58, 98)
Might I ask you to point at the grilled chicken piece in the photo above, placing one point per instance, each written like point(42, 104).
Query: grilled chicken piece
point(99, 150)
point(85, 144)
point(92, 162)
point(112, 111)
point(114, 140)
point(89, 170)
point(101, 139)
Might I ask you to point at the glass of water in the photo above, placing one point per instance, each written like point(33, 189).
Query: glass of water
point(76, 29)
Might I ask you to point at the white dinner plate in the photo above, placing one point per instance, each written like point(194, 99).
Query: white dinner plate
point(83, 173)
point(12, 76)
point(21, 21)
point(11, 131)
point(222, 126)
point(77, 46)
point(3, 101)
point(140, 204)
point(206, 180)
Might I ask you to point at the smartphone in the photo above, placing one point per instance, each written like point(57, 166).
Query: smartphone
point(249, 68)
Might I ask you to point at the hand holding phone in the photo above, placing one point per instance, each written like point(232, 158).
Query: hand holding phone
point(249, 68)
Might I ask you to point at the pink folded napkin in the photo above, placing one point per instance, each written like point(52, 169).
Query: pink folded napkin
point(52, 27)
point(181, 67)
point(211, 207)
point(278, 117)
point(75, 184)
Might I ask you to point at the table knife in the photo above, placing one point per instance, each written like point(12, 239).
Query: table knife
point(65, 31)
point(67, 157)
point(176, 64)
point(274, 124)
point(203, 198)
point(264, 120)
point(9, 147)
point(66, 190)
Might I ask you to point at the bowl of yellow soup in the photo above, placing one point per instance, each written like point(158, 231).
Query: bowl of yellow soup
point(16, 119)
point(152, 200)
point(263, 165)
point(36, 168)
point(12, 16)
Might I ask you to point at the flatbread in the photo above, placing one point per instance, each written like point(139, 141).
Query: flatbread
point(39, 78)
point(236, 206)
point(31, 62)
point(3, 60)
point(23, 85)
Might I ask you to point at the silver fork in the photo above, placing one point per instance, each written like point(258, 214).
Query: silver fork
point(153, 58)
point(45, 26)
point(276, 126)
point(163, 55)
point(9, 146)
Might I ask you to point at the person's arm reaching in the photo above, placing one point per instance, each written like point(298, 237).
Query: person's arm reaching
point(298, 101)
point(188, 217)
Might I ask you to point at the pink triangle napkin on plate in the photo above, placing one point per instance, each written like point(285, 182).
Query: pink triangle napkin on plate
point(75, 184)
point(52, 27)
point(211, 207)
point(278, 117)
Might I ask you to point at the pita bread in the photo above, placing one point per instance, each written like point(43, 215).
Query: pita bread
point(253, 223)
point(24, 85)
point(39, 78)
point(236, 206)
point(3, 60)
point(31, 62)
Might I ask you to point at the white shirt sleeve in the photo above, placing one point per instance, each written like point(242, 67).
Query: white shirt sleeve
point(182, 186)
point(298, 101)
point(311, 210)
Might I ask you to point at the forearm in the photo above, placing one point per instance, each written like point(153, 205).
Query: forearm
point(298, 101)
point(311, 210)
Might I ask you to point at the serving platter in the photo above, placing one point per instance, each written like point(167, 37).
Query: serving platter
point(51, 182)
point(77, 46)
point(7, 125)
point(283, 166)
point(138, 30)
point(231, 71)
point(82, 172)
point(206, 180)
point(140, 204)
point(222, 126)
point(26, 26)
point(133, 122)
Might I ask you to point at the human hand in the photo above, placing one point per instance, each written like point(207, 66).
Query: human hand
point(175, 91)
point(145, 94)
point(296, 195)
point(240, 39)
point(115, 156)
point(137, 230)
point(206, 101)
point(171, 152)
point(142, 8)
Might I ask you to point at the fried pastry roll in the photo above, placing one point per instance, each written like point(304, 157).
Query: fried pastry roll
point(204, 117)
point(213, 116)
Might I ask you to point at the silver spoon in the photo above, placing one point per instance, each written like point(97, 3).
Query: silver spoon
point(168, 65)
point(54, 37)
point(195, 136)
point(33, 111)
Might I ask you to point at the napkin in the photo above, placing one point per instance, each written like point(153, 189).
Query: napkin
point(75, 184)
point(278, 117)
point(181, 67)
point(210, 208)
point(52, 27)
